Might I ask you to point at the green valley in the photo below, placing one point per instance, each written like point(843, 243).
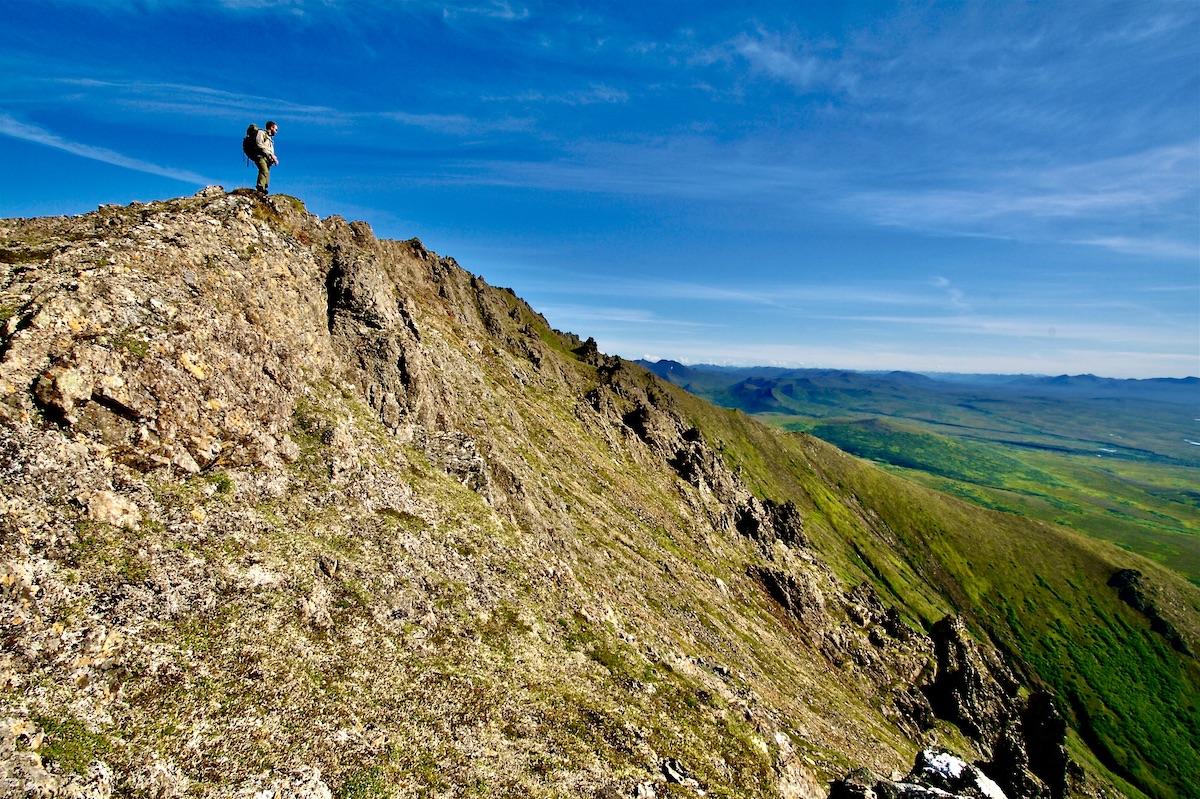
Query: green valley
point(1109, 458)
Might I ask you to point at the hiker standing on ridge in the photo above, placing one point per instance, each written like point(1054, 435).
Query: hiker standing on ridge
point(262, 153)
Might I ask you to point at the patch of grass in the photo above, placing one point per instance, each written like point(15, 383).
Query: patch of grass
point(604, 648)
point(295, 202)
point(963, 461)
point(403, 519)
point(70, 745)
point(24, 255)
point(368, 783)
point(221, 481)
point(311, 423)
point(132, 344)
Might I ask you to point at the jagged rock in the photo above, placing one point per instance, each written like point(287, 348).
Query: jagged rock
point(60, 391)
point(858, 784)
point(1009, 765)
point(676, 773)
point(1045, 735)
point(1131, 588)
point(971, 688)
point(787, 522)
point(935, 775)
point(700, 466)
point(1024, 739)
point(942, 770)
point(766, 521)
point(799, 595)
point(913, 706)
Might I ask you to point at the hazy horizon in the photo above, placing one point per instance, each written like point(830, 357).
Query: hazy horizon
point(925, 372)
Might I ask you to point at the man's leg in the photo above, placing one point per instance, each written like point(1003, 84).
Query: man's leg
point(264, 173)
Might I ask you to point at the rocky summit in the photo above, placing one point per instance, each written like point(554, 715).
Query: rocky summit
point(292, 512)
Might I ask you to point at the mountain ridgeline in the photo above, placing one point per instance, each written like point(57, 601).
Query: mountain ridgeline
point(292, 511)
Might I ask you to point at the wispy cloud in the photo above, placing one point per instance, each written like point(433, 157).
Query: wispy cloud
point(31, 133)
point(179, 100)
point(296, 6)
point(635, 317)
point(1031, 203)
point(1150, 247)
point(496, 9)
point(453, 124)
point(780, 295)
point(595, 93)
point(954, 294)
point(1048, 327)
point(803, 65)
point(190, 100)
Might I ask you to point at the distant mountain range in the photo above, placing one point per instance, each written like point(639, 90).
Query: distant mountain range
point(1116, 458)
point(1184, 391)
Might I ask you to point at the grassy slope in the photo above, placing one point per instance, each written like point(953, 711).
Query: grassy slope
point(1144, 506)
point(1038, 590)
point(1118, 468)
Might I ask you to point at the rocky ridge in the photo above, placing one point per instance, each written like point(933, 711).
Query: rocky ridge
point(293, 511)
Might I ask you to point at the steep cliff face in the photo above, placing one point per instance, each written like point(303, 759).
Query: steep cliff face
point(292, 511)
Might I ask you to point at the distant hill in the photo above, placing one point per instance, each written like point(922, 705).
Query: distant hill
point(1115, 458)
point(1181, 391)
point(1142, 418)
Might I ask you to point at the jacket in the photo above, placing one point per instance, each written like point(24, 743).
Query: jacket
point(265, 144)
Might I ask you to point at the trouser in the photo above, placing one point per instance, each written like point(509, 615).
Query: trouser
point(264, 173)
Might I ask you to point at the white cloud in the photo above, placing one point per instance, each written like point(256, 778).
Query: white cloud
point(454, 124)
point(806, 66)
point(596, 93)
point(31, 133)
point(1037, 203)
point(1146, 246)
point(180, 99)
point(571, 315)
point(496, 9)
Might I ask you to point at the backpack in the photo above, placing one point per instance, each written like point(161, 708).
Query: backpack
point(250, 142)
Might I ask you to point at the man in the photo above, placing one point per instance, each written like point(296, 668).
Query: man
point(264, 143)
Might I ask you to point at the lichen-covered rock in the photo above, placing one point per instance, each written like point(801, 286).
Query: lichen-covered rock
point(305, 783)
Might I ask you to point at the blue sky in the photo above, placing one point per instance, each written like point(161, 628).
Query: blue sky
point(975, 187)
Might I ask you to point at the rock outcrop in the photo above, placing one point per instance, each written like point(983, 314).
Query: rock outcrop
point(1131, 587)
point(935, 775)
